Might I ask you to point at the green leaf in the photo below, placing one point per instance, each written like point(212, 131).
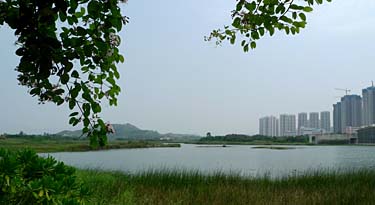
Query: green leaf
point(64, 78)
point(239, 5)
point(121, 58)
point(253, 45)
point(271, 30)
point(261, 31)
point(96, 108)
point(246, 48)
point(237, 22)
point(86, 109)
point(254, 35)
point(250, 6)
point(75, 91)
point(75, 74)
point(233, 40)
point(73, 114)
point(93, 9)
point(294, 15)
point(307, 9)
point(286, 19)
point(296, 7)
point(72, 104)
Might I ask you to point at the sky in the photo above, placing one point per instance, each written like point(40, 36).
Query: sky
point(174, 81)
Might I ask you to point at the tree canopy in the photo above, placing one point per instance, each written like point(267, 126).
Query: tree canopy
point(252, 19)
point(68, 53)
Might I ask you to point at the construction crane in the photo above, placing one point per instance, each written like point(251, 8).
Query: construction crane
point(342, 89)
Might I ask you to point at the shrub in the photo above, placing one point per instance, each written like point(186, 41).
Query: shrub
point(26, 178)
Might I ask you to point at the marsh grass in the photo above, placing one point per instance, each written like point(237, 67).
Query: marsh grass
point(193, 187)
point(44, 145)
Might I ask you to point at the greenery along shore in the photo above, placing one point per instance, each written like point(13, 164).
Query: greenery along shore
point(239, 139)
point(26, 178)
point(190, 187)
point(60, 144)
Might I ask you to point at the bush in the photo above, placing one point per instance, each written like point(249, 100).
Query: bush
point(26, 178)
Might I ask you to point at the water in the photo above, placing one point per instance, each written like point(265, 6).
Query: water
point(241, 159)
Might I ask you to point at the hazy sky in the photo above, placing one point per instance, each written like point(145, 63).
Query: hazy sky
point(174, 81)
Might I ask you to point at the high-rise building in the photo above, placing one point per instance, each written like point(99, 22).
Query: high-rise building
point(262, 126)
point(351, 112)
point(287, 125)
point(314, 120)
point(302, 121)
point(337, 118)
point(325, 121)
point(269, 126)
point(368, 106)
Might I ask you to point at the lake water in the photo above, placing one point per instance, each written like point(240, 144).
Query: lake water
point(241, 159)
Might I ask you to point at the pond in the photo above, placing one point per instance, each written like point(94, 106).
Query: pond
point(241, 159)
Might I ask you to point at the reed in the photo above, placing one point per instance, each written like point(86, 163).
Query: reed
point(193, 187)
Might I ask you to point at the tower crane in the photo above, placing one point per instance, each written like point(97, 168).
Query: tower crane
point(342, 89)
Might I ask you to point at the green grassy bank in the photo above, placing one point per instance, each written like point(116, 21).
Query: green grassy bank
point(179, 187)
point(240, 139)
point(43, 144)
point(260, 142)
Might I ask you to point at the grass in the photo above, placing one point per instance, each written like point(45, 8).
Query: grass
point(43, 145)
point(256, 142)
point(191, 187)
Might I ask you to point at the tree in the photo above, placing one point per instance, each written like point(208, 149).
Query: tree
point(68, 53)
point(253, 18)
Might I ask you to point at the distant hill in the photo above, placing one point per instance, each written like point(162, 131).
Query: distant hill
point(129, 131)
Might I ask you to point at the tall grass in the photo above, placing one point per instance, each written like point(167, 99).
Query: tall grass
point(41, 144)
point(193, 187)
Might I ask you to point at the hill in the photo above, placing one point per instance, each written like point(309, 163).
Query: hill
point(129, 131)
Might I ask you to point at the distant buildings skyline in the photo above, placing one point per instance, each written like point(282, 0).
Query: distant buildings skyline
point(290, 125)
point(349, 114)
point(354, 111)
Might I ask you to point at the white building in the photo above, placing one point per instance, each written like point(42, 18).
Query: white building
point(269, 126)
point(287, 125)
point(302, 121)
point(325, 121)
point(314, 120)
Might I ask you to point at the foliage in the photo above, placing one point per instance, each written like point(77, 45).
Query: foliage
point(255, 138)
point(68, 53)
point(26, 178)
point(44, 144)
point(253, 18)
